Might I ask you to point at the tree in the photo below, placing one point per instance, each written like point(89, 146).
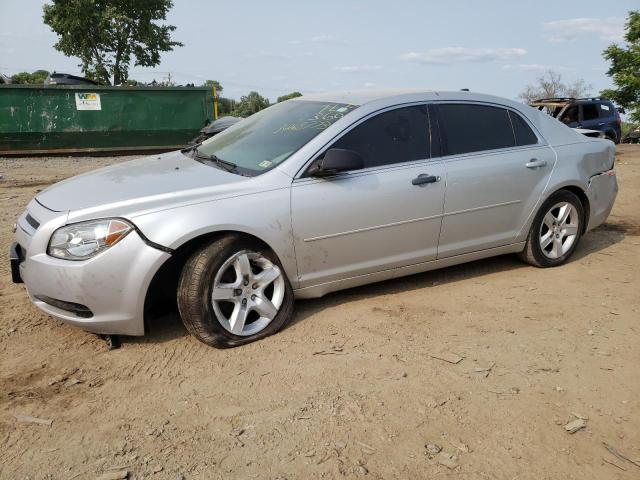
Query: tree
point(36, 78)
point(289, 96)
point(213, 83)
point(225, 106)
point(625, 69)
point(250, 104)
point(107, 35)
point(550, 85)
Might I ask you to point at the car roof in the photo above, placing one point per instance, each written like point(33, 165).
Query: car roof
point(370, 101)
point(393, 96)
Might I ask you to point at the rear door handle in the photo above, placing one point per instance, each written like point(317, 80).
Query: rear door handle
point(535, 163)
point(424, 178)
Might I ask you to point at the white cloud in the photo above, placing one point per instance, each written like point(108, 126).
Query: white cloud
point(316, 39)
point(449, 55)
point(359, 68)
point(258, 54)
point(323, 38)
point(533, 67)
point(368, 84)
point(608, 29)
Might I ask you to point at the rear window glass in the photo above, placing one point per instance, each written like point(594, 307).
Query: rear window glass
point(474, 128)
point(590, 112)
point(522, 131)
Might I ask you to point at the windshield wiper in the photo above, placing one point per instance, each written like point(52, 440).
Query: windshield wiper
point(225, 165)
point(191, 147)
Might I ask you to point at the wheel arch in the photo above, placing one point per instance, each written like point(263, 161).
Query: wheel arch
point(582, 196)
point(162, 290)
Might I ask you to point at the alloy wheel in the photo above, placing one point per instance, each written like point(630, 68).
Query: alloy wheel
point(248, 291)
point(559, 230)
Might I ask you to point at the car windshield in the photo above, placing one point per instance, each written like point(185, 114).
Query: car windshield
point(267, 138)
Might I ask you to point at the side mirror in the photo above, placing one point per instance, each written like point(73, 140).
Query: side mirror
point(337, 160)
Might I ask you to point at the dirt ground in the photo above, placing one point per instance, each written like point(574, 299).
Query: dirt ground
point(351, 388)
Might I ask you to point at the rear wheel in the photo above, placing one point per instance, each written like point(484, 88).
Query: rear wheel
point(232, 292)
point(556, 231)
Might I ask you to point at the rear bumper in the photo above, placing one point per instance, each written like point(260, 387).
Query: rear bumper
point(602, 191)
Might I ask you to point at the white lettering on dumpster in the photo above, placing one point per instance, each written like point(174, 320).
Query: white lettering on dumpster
point(88, 101)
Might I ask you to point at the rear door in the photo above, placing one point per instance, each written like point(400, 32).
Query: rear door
point(372, 219)
point(590, 117)
point(497, 168)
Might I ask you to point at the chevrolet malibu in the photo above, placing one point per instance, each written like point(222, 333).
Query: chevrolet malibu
point(310, 196)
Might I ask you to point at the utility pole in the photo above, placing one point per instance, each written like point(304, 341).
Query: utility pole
point(215, 101)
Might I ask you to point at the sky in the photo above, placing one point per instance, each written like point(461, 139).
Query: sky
point(278, 46)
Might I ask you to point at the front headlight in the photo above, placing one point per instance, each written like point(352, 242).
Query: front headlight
point(85, 240)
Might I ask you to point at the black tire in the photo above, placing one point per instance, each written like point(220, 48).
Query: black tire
point(196, 283)
point(533, 253)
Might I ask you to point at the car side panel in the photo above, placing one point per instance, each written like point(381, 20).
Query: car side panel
point(587, 166)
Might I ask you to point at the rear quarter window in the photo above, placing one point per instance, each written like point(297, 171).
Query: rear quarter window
point(473, 128)
point(605, 110)
point(522, 131)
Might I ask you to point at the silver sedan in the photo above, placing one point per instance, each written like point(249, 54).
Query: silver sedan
point(309, 196)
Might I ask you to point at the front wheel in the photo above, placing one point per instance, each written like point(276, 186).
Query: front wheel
point(234, 291)
point(556, 231)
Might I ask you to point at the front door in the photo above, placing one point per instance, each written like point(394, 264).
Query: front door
point(381, 217)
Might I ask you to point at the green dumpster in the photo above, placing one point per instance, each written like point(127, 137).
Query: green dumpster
point(69, 118)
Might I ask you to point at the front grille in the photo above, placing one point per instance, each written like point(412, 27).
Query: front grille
point(75, 308)
point(32, 221)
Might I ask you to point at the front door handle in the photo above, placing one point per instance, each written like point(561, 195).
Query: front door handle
point(424, 178)
point(535, 163)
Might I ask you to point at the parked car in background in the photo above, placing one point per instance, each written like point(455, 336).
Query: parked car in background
point(67, 79)
point(595, 113)
point(215, 128)
point(309, 196)
point(633, 136)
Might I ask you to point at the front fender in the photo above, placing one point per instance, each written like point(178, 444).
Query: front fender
point(265, 215)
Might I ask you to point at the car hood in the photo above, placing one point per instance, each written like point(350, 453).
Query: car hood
point(155, 179)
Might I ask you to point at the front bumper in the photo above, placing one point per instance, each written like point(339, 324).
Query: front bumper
point(104, 294)
point(15, 258)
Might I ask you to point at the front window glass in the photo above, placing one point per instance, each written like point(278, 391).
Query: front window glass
point(400, 135)
point(267, 138)
point(570, 115)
